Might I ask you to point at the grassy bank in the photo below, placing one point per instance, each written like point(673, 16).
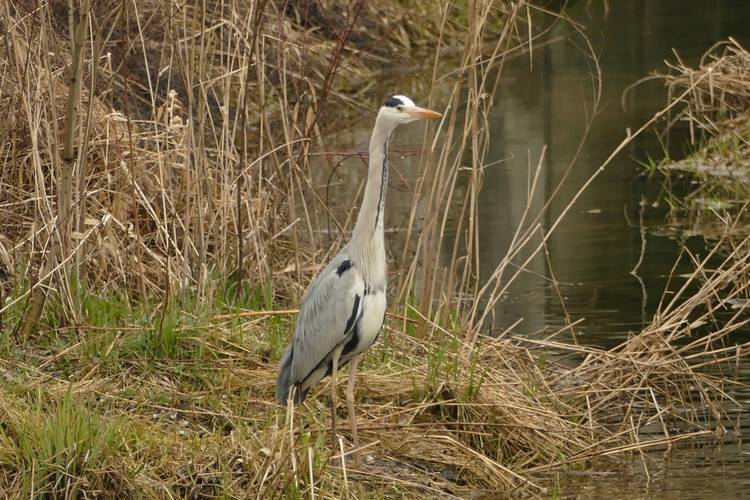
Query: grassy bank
point(179, 402)
point(159, 224)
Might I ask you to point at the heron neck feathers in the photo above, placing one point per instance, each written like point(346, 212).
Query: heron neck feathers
point(368, 243)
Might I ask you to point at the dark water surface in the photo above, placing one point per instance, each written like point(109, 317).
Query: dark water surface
point(600, 241)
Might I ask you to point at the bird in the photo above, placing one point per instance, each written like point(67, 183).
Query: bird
point(343, 310)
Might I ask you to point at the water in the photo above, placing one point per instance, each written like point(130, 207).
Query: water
point(595, 249)
point(600, 241)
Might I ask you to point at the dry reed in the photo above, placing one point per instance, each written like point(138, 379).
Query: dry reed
point(191, 191)
point(708, 190)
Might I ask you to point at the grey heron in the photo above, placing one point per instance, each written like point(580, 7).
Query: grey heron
point(343, 310)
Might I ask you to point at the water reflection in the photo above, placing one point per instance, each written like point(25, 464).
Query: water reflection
point(598, 245)
point(593, 252)
point(600, 241)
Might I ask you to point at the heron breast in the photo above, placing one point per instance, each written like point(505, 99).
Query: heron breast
point(371, 321)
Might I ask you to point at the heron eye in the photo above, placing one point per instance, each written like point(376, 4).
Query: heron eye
point(400, 108)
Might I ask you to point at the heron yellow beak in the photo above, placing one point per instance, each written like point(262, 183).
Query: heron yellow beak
point(423, 113)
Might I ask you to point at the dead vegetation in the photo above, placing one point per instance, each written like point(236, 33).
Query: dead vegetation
point(156, 220)
point(187, 408)
point(715, 178)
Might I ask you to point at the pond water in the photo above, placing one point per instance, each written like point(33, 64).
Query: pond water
point(600, 241)
point(594, 250)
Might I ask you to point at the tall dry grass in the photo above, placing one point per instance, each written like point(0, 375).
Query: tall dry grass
point(707, 190)
point(157, 167)
point(155, 148)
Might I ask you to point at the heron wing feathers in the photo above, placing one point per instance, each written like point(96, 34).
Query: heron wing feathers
point(327, 316)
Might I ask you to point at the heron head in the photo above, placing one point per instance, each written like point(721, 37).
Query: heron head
point(399, 110)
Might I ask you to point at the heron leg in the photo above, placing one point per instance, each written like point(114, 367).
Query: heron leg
point(350, 406)
point(334, 369)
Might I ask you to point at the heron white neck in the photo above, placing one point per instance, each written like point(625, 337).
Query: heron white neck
point(368, 245)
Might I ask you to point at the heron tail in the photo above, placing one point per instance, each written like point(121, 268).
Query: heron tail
point(283, 382)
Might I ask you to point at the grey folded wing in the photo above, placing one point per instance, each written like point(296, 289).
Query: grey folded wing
point(326, 320)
